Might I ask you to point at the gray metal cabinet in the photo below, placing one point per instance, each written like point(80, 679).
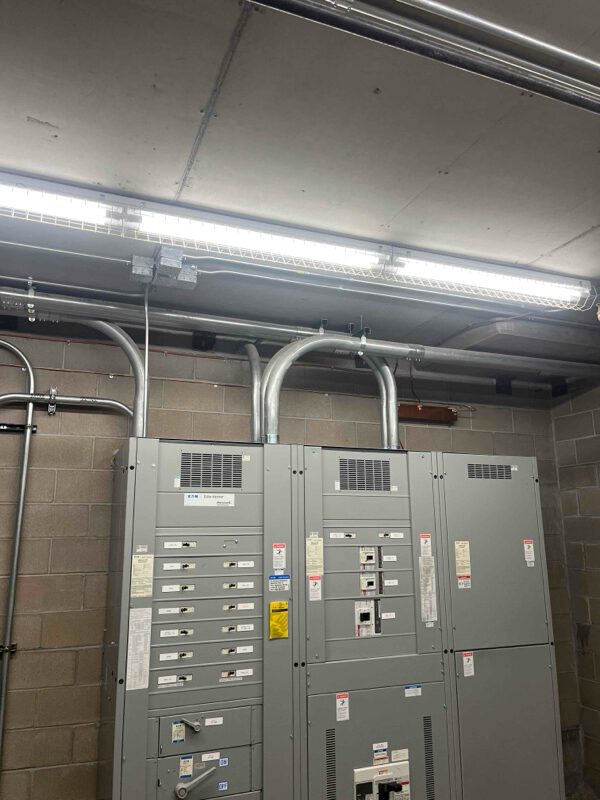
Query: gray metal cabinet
point(282, 624)
point(508, 739)
point(495, 551)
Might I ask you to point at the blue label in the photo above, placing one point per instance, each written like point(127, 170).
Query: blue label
point(223, 762)
point(223, 786)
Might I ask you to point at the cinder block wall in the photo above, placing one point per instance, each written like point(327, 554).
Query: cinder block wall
point(53, 710)
point(577, 433)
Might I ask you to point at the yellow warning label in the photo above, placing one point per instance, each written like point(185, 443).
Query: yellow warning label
point(278, 619)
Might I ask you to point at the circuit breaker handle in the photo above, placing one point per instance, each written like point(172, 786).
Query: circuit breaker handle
point(195, 724)
point(183, 789)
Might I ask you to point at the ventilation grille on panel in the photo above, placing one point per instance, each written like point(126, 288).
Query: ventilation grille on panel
point(491, 472)
point(364, 475)
point(211, 470)
point(429, 771)
point(330, 764)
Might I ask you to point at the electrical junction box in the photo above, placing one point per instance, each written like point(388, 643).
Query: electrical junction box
point(304, 623)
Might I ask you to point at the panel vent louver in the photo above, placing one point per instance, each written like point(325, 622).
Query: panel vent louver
point(429, 770)
point(211, 471)
point(490, 472)
point(364, 475)
point(330, 765)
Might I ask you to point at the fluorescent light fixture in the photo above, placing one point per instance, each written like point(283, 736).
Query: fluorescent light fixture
point(46, 204)
point(502, 284)
point(247, 242)
point(208, 234)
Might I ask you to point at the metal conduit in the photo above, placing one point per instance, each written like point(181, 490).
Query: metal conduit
point(132, 352)
point(16, 549)
point(16, 302)
point(374, 364)
point(255, 375)
point(384, 23)
point(282, 361)
point(391, 404)
point(65, 400)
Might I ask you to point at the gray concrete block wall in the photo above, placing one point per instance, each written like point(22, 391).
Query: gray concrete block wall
point(51, 740)
point(577, 436)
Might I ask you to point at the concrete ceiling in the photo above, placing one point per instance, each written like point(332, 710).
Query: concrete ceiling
point(219, 105)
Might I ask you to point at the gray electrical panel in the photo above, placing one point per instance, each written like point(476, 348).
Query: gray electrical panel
point(304, 623)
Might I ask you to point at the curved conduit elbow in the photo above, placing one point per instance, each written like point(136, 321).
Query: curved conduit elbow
point(126, 343)
point(277, 368)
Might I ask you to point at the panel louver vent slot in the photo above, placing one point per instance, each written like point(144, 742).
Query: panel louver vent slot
point(330, 764)
point(364, 475)
point(211, 471)
point(491, 472)
point(429, 771)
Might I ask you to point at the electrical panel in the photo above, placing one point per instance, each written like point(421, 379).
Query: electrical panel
point(304, 623)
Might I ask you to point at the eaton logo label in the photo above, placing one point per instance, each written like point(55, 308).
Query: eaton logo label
point(223, 762)
point(223, 786)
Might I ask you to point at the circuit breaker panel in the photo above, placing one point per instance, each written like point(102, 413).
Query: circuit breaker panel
point(376, 697)
point(306, 623)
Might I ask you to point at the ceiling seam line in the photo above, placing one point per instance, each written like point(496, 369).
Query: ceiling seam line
point(215, 93)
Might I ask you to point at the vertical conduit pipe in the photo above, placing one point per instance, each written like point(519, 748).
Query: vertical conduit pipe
point(16, 550)
point(375, 364)
point(125, 341)
point(391, 404)
point(255, 375)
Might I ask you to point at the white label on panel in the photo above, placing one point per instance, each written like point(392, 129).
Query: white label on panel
point(462, 555)
point(396, 535)
point(209, 499)
point(429, 611)
point(390, 558)
point(245, 585)
point(244, 673)
point(337, 535)
point(138, 648)
point(172, 565)
point(168, 657)
point(178, 545)
point(167, 680)
point(186, 766)
point(142, 569)
point(177, 483)
point(390, 582)
point(211, 756)
point(171, 587)
point(314, 587)
point(314, 555)
point(464, 581)
point(413, 691)
point(380, 746)
point(245, 606)
point(342, 707)
point(279, 556)
point(177, 732)
point(425, 539)
point(336, 486)
point(468, 664)
point(279, 583)
point(400, 755)
point(529, 549)
point(388, 615)
point(245, 648)
point(245, 564)
point(162, 611)
point(247, 626)
point(168, 633)
point(211, 721)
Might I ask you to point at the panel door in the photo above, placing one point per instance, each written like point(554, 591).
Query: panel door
point(495, 557)
point(507, 724)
